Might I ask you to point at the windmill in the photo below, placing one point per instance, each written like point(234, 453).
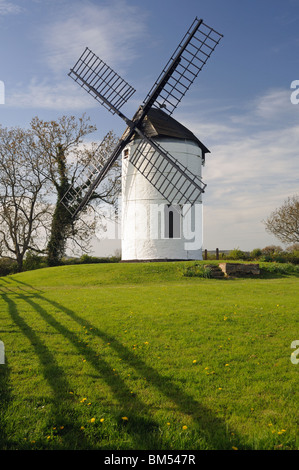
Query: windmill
point(156, 171)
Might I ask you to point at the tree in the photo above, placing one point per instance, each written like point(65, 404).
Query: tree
point(283, 223)
point(37, 167)
point(23, 208)
point(61, 144)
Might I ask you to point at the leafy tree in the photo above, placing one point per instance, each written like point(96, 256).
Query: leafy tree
point(65, 155)
point(293, 247)
point(37, 167)
point(272, 249)
point(283, 222)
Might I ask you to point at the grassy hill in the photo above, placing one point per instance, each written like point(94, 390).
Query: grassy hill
point(137, 356)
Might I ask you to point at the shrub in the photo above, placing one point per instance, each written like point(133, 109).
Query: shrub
point(237, 254)
point(256, 253)
point(34, 261)
point(279, 258)
point(285, 268)
point(7, 266)
point(197, 270)
point(292, 257)
point(67, 261)
point(87, 259)
point(266, 258)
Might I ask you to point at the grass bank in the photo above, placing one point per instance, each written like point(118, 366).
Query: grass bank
point(137, 356)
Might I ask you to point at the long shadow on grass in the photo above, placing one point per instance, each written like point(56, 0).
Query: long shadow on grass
point(53, 374)
point(210, 429)
point(139, 426)
point(5, 398)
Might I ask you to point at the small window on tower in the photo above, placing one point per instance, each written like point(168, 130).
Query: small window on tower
point(126, 153)
point(172, 219)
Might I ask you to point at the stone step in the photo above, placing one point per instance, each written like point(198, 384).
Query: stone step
point(233, 270)
point(215, 271)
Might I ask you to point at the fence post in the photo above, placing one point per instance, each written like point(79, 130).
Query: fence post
point(205, 256)
point(217, 253)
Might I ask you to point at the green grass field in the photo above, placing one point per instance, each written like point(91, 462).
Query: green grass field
point(137, 356)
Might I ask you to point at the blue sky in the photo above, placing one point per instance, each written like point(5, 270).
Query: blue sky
point(239, 106)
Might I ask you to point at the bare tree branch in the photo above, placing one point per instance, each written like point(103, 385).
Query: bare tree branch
point(283, 223)
point(21, 188)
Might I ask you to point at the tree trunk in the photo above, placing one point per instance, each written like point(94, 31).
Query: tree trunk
point(20, 263)
point(62, 220)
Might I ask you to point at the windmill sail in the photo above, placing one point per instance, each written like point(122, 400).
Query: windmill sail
point(98, 79)
point(80, 192)
point(174, 181)
point(183, 67)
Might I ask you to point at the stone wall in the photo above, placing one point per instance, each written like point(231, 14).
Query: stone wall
point(237, 269)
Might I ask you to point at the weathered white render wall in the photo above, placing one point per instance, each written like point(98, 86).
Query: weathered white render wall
point(144, 217)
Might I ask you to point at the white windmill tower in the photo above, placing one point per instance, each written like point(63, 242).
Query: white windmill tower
point(161, 159)
point(153, 229)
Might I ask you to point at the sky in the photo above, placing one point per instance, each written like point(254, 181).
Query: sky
point(241, 106)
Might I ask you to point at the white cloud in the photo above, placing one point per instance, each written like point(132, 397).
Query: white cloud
point(62, 96)
point(110, 30)
point(276, 105)
point(252, 169)
point(8, 8)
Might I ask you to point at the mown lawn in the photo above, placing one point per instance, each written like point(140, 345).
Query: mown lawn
point(137, 356)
